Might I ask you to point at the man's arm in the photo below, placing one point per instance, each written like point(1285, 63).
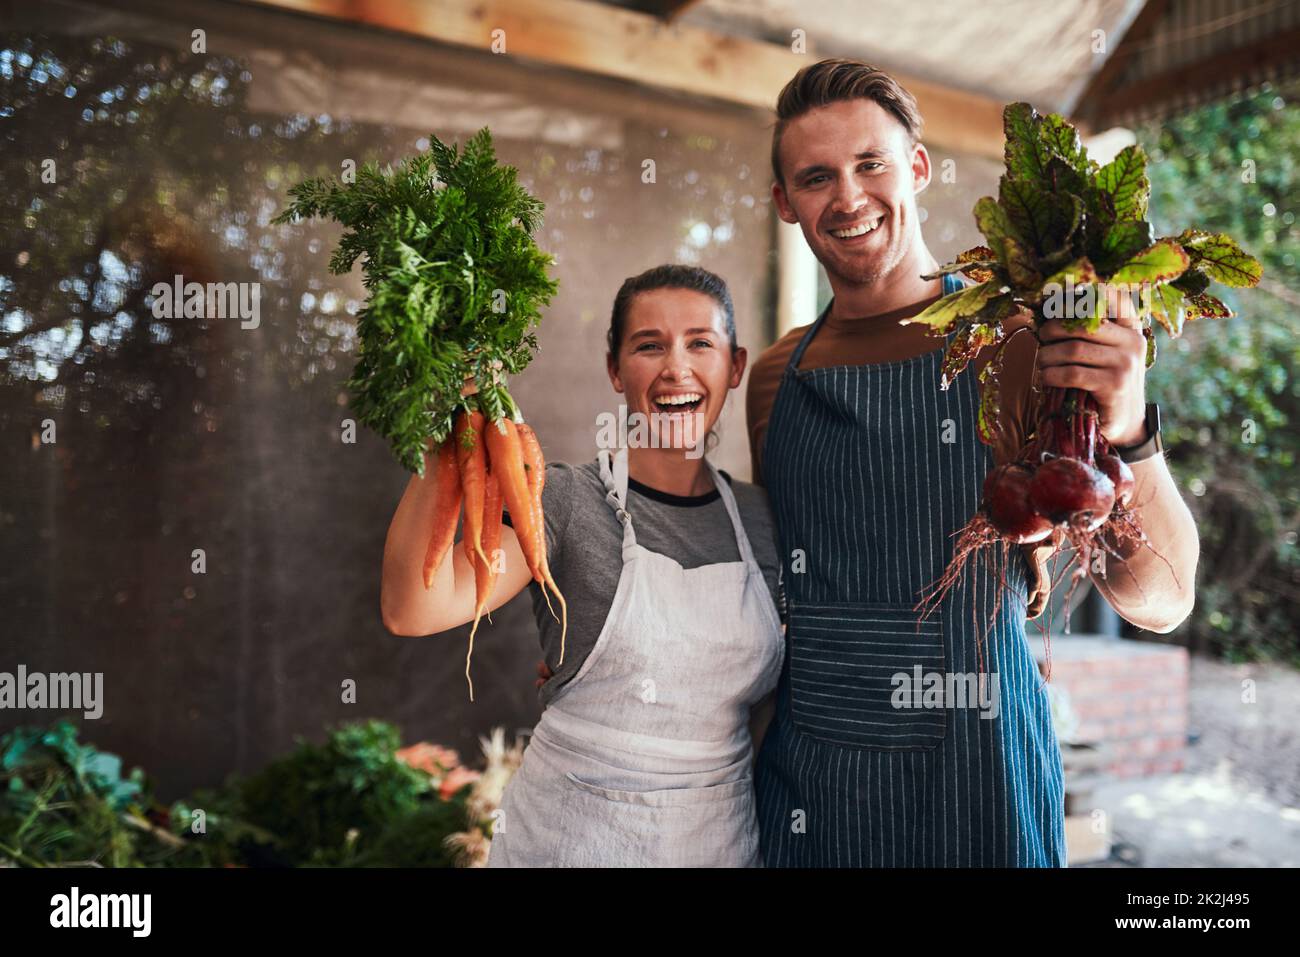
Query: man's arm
point(1153, 586)
point(760, 394)
point(1143, 588)
point(755, 462)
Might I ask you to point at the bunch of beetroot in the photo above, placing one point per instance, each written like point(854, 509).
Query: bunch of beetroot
point(1063, 235)
point(1067, 477)
point(1067, 484)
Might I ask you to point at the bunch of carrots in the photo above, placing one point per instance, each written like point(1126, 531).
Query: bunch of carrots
point(441, 235)
point(487, 466)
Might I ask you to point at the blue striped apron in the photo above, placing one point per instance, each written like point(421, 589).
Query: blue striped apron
point(870, 470)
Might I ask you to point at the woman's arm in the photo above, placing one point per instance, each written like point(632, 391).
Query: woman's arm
point(407, 607)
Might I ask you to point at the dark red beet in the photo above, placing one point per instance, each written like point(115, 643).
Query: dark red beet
point(1120, 475)
point(1006, 501)
point(1068, 490)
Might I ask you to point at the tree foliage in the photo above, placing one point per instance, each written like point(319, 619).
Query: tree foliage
point(1229, 389)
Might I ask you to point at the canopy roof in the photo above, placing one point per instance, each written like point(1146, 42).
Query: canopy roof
point(1100, 61)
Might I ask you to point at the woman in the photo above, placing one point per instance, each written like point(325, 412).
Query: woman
point(643, 754)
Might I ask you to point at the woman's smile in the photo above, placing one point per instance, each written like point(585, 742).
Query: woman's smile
point(678, 403)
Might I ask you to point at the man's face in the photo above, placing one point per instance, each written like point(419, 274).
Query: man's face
point(851, 179)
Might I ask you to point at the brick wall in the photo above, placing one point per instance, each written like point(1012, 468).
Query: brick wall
point(1130, 697)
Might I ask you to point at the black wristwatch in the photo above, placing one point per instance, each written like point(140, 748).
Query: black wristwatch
point(1150, 446)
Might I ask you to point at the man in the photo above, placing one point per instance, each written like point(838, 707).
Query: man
point(870, 469)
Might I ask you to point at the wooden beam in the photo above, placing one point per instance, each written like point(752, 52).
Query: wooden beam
point(1105, 79)
point(613, 42)
point(1191, 79)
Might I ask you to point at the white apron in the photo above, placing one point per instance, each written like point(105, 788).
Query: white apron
point(643, 759)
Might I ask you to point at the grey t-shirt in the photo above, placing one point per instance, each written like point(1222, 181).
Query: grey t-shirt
point(584, 546)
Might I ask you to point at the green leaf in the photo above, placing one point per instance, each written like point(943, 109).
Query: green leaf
point(965, 345)
point(1046, 220)
point(1089, 312)
point(1193, 282)
point(1070, 213)
point(992, 221)
point(1022, 269)
point(978, 262)
point(1080, 272)
point(1063, 139)
point(1029, 211)
point(1122, 241)
point(988, 418)
point(1219, 257)
point(1026, 153)
point(1063, 178)
point(1167, 308)
point(1056, 260)
point(1159, 262)
point(1124, 185)
point(1202, 306)
point(976, 254)
point(437, 234)
point(941, 315)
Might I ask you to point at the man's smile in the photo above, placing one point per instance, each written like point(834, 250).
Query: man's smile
point(857, 230)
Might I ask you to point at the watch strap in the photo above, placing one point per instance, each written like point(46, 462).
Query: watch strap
point(1149, 447)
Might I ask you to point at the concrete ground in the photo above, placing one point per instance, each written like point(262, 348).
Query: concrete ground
point(1238, 802)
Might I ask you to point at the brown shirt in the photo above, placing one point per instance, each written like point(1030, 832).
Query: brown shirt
point(880, 338)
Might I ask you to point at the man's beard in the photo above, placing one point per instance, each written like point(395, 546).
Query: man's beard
point(864, 273)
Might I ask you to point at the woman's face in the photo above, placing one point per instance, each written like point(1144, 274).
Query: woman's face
point(675, 365)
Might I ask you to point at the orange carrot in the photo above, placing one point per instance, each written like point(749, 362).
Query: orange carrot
point(493, 503)
point(485, 573)
point(535, 465)
point(537, 559)
point(508, 463)
point(471, 456)
point(446, 510)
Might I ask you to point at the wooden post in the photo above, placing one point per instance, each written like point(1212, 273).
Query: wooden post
point(796, 294)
